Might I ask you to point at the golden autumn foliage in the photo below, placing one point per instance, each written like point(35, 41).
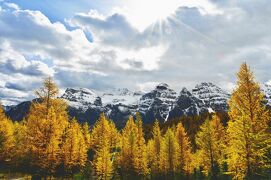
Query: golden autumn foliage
point(248, 136)
point(104, 140)
point(44, 139)
point(169, 154)
point(154, 148)
point(47, 98)
point(86, 135)
point(20, 142)
point(140, 160)
point(128, 146)
point(7, 140)
point(103, 161)
point(185, 152)
point(211, 143)
point(52, 140)
point(104, 129)
point(45, 127)
point(74, 148)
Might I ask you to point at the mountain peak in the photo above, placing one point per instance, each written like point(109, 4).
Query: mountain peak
point(212, 95)
point(204, 84)
point(184, 90)
point(79, 90)
point(162, 86)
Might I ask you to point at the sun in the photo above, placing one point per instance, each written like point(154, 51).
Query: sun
point(143, 13)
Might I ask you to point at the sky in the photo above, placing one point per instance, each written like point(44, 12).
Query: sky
point(136, 44)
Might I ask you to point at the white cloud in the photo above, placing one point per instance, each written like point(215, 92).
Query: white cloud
point(14, 62)
point(12, 5)
point(148, 58)
point(201, 41)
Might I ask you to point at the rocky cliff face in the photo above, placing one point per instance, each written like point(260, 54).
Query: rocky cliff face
point(213, 96)
point(157, 104)
point(187, 104)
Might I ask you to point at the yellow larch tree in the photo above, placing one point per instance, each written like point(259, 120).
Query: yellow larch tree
point(2, 112)
point(106, 129)
point(210, 142)
point(104, 139)
point(20, 143)
point(45, 126)
point(103, 161)
point(169, 154)
point(154, 148)
point(185, 153)
point(7, 141)
point(47, 98)
point(86, 134)
point(127, 147)
point(74, 148)
point(247, 129)
point(140, 160)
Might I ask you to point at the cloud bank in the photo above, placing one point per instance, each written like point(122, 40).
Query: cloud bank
point(101, 51)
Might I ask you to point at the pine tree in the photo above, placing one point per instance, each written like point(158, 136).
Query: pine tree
point(154, 148)
point(247, 129)
point(211, 142)
point(185, 155)
point(169, 155)
point(140, 160)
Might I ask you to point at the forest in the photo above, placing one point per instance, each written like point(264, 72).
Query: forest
point(48, 144)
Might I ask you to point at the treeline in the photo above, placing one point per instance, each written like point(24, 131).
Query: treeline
point(47, 144)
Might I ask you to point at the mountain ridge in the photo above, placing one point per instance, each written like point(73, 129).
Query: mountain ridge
point(162, 103)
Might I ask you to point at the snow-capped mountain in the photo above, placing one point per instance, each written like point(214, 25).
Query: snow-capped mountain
point(157, 103)
point(187, 104)
point(86, 104)
point(161, 103)
point(213, 96)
